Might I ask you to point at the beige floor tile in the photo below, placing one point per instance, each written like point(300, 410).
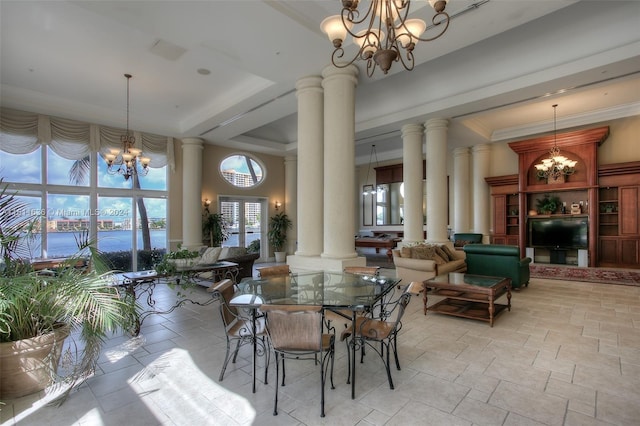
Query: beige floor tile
point(567, 354)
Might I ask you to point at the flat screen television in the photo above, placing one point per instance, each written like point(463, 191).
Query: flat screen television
point(561, 232)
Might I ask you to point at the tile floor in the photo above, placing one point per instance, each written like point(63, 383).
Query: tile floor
point(568, 353)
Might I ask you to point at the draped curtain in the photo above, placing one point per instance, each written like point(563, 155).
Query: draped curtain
point(23, 132)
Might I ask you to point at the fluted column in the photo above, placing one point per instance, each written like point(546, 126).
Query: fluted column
point(436, 130)
point(291, 200)
point(481, 201)
point(191, 193)
point(339, 161)
point(412, 139)
point(461, 201)
point(310, 165)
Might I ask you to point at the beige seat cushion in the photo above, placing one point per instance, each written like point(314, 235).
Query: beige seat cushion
point(210, 255)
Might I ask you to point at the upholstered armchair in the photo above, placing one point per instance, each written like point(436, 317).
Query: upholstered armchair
point(461, 239)
point(498, 260)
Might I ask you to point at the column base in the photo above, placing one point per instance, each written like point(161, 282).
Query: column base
point(319, 263)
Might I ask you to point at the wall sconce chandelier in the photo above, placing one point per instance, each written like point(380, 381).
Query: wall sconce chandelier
point(374, 189)
point(389, 36)
point(557, 166)
point(278, 204)
point(126, 162)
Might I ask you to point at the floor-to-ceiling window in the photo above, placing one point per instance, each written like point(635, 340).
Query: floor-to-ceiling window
point(72, 193)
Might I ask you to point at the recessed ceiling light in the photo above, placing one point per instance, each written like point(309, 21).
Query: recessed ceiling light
point(203, 71)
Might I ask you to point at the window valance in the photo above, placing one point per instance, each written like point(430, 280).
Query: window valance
point(23, 132)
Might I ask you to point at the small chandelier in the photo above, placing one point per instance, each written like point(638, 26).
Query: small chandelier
point(126, 162)
point(557, 166)
point(375, 189)
point(388, 32)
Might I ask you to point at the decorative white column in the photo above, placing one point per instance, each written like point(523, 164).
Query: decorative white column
point(192, 193)
point(291, 200)
point(339, 161)
point(437, 180)
point(412, 138)
point(461, 203)
point(481, 195)
point(310, 165)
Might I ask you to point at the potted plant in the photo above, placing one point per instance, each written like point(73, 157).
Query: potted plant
point(277, 234)
point(548, 204)
point(38, 311)
point(214, 228)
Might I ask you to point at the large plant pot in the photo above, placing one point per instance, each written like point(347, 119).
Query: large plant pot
point(27, 366)
point(281, 256)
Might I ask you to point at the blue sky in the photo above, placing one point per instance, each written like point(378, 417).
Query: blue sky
point(28, 169)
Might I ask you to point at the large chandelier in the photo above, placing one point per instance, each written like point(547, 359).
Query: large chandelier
point(387, 36)
point(556, 166)
point(128, 161)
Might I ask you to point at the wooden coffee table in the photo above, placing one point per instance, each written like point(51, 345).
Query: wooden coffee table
point(468, 296)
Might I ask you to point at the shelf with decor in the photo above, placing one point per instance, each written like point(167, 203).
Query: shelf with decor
point(608, 211)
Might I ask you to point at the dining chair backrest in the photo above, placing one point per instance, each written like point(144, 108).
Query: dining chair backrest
point(225, 291)
point(362, 270)
point(294, 327)
point(269, 271)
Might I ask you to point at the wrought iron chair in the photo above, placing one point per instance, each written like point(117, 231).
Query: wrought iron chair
point(269, 271)
point(239, 328)
point(362, 270)
point(344, 315)
point(277, 290)
point(296, 332)
point(382, 329)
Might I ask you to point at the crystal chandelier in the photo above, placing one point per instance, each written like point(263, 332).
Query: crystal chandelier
point(388, 35)
point(557, 166)
point(129, 160)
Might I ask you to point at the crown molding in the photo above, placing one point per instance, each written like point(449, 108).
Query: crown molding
point(567, 122)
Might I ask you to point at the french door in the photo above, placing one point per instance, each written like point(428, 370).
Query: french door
point(245, 218)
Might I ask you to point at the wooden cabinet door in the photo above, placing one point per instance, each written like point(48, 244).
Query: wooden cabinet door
point(608, 250)
point(629, 206)
point(512, 240)
point(629, 252)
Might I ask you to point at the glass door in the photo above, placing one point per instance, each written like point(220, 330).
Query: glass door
point(244, 217)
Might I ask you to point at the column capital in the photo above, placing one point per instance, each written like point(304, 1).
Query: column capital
point(461, 152)
point(312, 83)
point(436, 123)
point(349, 72)
point(482, 147)
point(412, 129)
point(193, 142)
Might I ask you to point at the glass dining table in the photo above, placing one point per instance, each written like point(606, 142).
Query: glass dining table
point(336, 291)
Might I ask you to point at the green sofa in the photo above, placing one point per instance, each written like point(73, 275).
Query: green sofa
point(461, 239)
point(498, 261)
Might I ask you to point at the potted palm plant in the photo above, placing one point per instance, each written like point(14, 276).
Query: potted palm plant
point(214, 228)
point(41, 312)
point(278, 226)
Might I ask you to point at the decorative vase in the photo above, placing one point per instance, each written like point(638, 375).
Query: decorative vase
point(281, 256)
point(27, 366)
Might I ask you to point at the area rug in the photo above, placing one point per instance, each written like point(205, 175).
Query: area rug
point(592, 275)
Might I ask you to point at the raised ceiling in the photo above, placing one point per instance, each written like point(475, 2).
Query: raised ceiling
point(226, 70)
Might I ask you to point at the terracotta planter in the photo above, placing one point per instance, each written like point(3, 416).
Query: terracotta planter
point(26, 366)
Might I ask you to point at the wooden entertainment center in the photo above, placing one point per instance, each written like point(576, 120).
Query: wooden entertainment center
point(608, 196)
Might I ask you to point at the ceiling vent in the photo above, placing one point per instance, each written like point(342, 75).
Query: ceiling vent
point(167, 50)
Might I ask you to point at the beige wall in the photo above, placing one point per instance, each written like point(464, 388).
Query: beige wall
point(214, 185)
